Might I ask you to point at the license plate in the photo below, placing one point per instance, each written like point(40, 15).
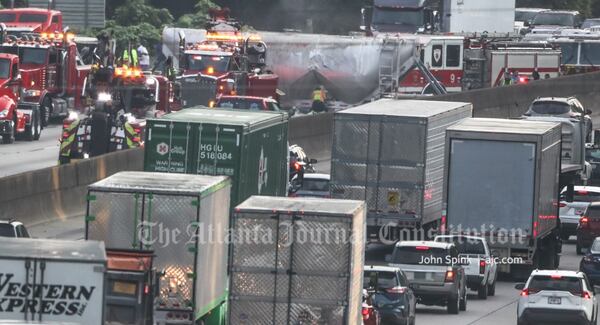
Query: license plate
point(125, 288)
point(554, 300)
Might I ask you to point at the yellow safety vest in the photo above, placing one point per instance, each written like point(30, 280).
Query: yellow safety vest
point(134, 58)
point(318, 95)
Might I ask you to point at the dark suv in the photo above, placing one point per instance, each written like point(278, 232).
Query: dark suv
point(588, 228)
point(391, 294)
point(435, 272)
point(13, 229)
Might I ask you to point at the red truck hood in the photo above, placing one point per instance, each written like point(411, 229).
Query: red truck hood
point(32, 72)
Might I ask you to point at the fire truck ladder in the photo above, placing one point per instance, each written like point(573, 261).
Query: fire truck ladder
point(389, 71)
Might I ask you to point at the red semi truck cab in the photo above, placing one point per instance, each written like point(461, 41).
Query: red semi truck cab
point(52, 72)
point(31, 20)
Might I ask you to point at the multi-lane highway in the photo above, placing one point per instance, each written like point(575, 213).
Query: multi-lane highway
point(23, 156)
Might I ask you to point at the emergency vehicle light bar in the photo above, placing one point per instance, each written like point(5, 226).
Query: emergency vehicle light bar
point(128, 72)
point(223, 37)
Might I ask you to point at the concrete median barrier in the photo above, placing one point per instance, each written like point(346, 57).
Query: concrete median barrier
point(59, 192)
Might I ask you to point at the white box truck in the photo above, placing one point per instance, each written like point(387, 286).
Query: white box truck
point(47, 280)
point(478, 16)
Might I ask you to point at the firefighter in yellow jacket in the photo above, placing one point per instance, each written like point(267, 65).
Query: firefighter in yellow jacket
point(319, 96)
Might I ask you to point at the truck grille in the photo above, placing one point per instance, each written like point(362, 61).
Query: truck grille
point(197, 90)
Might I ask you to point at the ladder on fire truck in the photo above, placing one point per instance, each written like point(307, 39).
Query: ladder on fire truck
point(389, 67)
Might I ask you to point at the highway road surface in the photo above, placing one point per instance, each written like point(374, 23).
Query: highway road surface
point(23, 156)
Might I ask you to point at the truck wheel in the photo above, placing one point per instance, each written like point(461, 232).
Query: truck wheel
point(46, 109)
point(463, 301)
point(453, 304)
point(31, 131)
point(492, 289)
point(10, 138)
point(578, 249)
point(482, 292)
point(38, 125)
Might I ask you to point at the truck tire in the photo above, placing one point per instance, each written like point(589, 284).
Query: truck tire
point(453, 304)
point(463, 301)
point(492, 289)
point(32, 131)
point(10, 138)
point(482, 292)
point(45, 111)
point(100, 134)
point(578, 249)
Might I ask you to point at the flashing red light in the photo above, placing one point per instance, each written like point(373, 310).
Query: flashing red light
point(525, 293)
point(449, 276)
point(422, 248)
point(482, 265)
point(523, 80)
point(365, 311)
point(584, 220)
point(556, 277)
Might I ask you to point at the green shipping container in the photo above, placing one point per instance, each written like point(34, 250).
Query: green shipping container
point(250, 147)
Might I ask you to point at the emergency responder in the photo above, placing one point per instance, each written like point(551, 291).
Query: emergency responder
point(129, 58)
point(507, 78)
point(319, 95)
point(169, 69)
point(144, 57)
point(515, 77)
point(536, 74)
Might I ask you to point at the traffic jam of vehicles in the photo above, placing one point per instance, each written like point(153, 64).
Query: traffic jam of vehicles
point(415, 208)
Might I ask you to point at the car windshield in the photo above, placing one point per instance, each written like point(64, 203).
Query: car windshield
point(397, 17)
point(590, 23)
point(550, 108)
point(546, 18)
point(555, 283)
point(313, 184)
point(203, 63)
point(6, 230)
point(379, 280)
point(593, 212)
point(417, 255)
point(4, 68)
point(465, 245)
point(525, 16)
point(33, 18)
point(241, 103)
point(7, 18)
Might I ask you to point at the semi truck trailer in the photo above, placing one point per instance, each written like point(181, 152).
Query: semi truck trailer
point(502, 183)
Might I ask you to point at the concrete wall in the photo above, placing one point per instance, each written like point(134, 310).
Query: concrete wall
point(59, 192)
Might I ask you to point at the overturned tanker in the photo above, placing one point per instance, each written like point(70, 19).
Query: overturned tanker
point(348, 66)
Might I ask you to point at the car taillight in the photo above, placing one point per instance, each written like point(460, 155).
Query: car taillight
point(525, 292)
point(396, 290)
point(482, 265)
point(584, 221)
point(586, 295)
point(450, 276)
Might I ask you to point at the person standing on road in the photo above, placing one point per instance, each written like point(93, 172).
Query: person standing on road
point(515, 77)
point(319, 96)
point(507, 78)
point(144, 57)
point(536, 74)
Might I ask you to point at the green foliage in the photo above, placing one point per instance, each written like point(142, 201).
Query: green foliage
point(199, 17)
point(124, 35)
point(584, 6)
point(135, 12)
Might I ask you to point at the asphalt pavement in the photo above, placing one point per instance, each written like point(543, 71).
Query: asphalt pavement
point(23, 156)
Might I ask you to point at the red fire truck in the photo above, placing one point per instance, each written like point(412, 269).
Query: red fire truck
point(226, 62)
point(443, 56)
point(52, 72)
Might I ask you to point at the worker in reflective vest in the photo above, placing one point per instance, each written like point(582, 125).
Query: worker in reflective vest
point(319, 96)
point(130, 58)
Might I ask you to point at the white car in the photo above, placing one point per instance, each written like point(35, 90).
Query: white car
point(313, 185)
point(482, 270)
point(556, 296)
